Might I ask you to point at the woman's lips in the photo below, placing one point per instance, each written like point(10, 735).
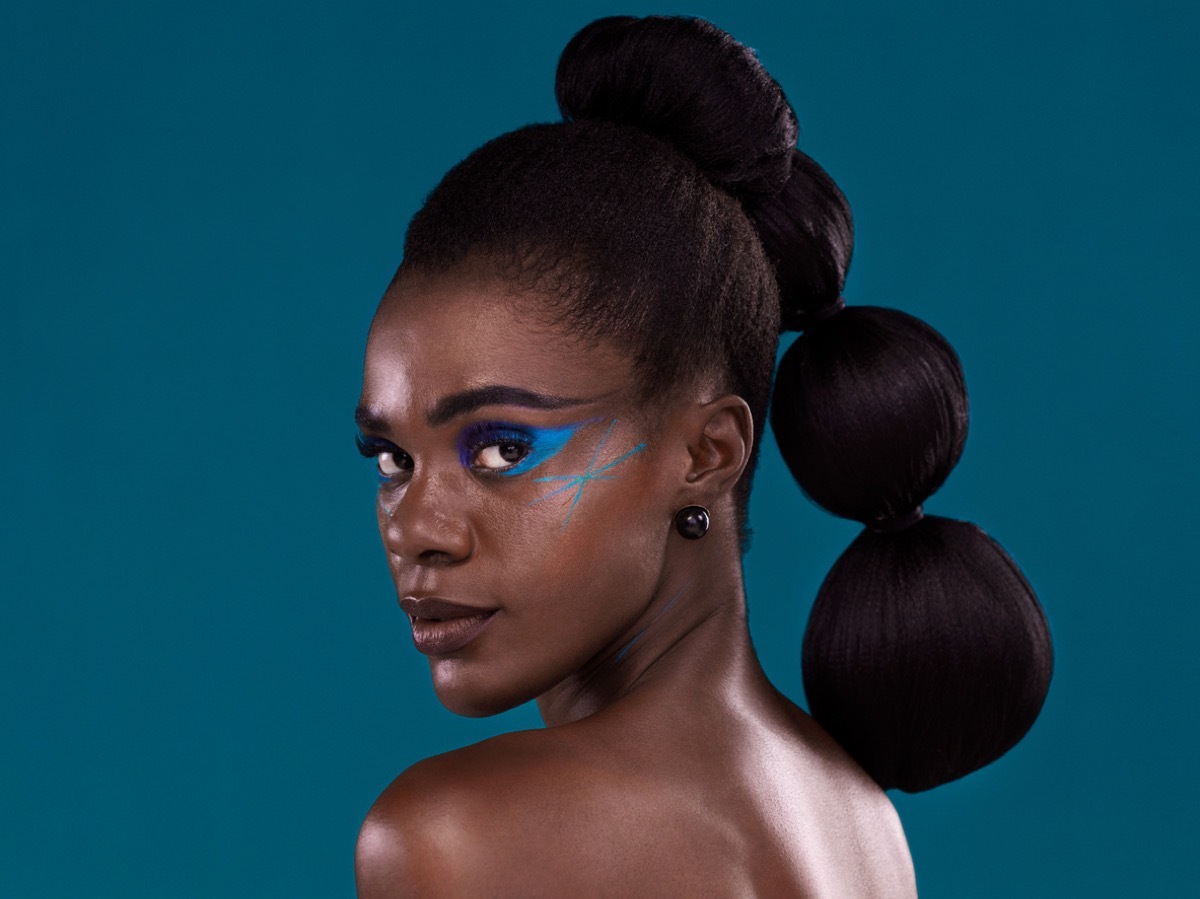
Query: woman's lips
point(440, 626)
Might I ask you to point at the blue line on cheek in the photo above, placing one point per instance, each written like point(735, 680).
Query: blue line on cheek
point(580, 481)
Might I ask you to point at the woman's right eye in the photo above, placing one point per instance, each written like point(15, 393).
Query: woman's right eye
point(393, 463)
point(390, 460)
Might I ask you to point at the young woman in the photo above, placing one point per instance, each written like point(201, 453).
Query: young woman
point(565, 388)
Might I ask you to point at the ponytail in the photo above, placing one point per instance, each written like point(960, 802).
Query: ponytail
point(927, 655)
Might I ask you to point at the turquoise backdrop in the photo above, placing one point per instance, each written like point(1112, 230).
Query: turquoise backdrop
point(206, 679)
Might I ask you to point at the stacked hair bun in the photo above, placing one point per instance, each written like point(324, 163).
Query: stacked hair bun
point(689, 83)
point(927, 654)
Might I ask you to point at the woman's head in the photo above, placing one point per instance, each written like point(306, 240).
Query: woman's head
point(592, 262)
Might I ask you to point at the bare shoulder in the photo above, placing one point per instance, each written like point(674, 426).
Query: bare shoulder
point(570, 810)
point(475, 821)
point(860, 847)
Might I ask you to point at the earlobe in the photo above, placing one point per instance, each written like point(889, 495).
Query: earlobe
point(723, 432)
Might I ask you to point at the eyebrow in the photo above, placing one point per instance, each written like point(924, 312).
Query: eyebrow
point(455, 404)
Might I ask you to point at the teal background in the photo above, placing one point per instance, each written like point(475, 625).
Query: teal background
point(206, 678)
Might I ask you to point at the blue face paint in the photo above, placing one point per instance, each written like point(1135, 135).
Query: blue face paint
point(538, 444)
point(624, 649)
point(578, 481)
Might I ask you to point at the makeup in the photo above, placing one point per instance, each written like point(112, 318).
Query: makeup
point(670, 602)
point(536, 446)
point(578, 482)
point(440, 626)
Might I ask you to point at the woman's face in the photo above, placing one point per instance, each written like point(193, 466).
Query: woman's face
point(524, 498)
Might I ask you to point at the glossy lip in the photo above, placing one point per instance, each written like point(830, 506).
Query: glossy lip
point(440, 626)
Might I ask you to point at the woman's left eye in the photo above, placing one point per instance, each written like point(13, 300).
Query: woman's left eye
point(500, 456)
point(510, 449)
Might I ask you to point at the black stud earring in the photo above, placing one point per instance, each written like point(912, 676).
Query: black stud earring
point(692, 522)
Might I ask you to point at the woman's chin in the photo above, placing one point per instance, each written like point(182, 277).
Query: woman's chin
point(473, 700)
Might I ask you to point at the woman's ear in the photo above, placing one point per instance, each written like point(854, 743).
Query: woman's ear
point(720, 435)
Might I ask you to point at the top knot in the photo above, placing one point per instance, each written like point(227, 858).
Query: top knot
point(689, 83)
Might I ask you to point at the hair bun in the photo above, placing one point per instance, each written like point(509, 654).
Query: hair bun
point(927, 654)
point(870, 412)
point(689, 83)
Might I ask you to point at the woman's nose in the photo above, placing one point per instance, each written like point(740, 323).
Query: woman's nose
point(424, 525)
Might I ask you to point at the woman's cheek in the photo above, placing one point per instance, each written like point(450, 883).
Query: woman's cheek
point(571, 489)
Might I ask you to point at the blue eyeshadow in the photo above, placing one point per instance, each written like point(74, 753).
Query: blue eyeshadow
point(543, 443)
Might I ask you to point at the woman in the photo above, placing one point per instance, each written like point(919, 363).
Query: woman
point(564, 390)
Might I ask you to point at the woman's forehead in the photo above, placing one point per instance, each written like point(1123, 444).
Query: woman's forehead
point(438, 336)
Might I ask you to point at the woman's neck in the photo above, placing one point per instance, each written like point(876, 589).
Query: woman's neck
point(693, 637)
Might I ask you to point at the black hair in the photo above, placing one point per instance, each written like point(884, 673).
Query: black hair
point(671, 213)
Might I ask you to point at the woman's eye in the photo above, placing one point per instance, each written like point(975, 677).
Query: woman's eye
point(392, 464)
point(510, 448)
point(390, 460)
point(499, 456)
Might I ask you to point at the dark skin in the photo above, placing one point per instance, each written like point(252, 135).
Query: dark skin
point(669, 765)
